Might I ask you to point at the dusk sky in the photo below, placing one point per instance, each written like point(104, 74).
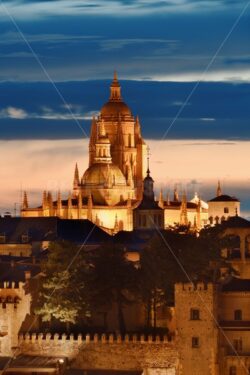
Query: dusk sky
point(184, 67)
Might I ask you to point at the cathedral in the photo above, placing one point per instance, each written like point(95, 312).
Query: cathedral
point(113, 183)
point(111, 192)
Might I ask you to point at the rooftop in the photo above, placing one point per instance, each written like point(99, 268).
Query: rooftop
point(236, 285)
point(224, 198)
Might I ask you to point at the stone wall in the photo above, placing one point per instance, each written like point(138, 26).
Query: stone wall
point(106, 352)
point(14, 307)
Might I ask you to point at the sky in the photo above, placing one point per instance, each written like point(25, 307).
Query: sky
point(184, 67)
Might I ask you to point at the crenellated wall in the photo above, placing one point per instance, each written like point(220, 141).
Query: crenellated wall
point(106, 351)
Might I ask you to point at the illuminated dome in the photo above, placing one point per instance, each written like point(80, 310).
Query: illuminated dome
point(104, 174)
point(113, 108)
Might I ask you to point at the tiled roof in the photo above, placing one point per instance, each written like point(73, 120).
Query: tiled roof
point(224, 198)
point(237, 285)
point(236, 222)
point(50, 229)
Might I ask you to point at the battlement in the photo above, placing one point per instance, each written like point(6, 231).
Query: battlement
point(12, 285)
point(87, 339)
point(194, 287)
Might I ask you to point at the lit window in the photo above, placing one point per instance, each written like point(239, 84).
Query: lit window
point(195, 342)
point(237, 315)
point(195, 314)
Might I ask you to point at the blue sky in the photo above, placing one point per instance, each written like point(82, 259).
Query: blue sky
point(160, 49)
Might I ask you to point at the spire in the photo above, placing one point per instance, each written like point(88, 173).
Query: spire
point(161, 200)
point(176, 195)
point(50, 203)
point(44, 203)
point(218, 192)
point(49, 199)
point(76, 177)
point(59, 200)
point(183, 214)
point(148, 154)
point(116, 226)
point(168, 200)
point(115, 90)
point(25, 204)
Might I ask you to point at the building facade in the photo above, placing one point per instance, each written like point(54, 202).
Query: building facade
point(112, 185)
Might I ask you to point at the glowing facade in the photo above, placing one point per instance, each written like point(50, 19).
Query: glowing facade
point(112, 185)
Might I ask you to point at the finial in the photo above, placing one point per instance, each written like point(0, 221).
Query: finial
point(115, 76)
point(236, 211)
point(76, 177)
point(148, 155)
point(25, 201)
point(219, 192)
point(176, 195)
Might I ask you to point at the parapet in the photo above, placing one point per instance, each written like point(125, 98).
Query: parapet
point(12, 285)
point(194, 287)
point(89, 339)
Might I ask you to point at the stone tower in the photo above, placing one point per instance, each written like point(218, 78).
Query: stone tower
point(197, 332)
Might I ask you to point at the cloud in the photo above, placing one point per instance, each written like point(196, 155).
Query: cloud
point(179, 103)
point(223, 75)
point(239, 60)
point(13, 113)
point(12, 37)
point(24, 9)
point(112, 44)
point(70, 112)
point(207, 119)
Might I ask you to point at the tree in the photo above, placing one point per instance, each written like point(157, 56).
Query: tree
point(172, 257)
point(62, 292)
point(112, 281)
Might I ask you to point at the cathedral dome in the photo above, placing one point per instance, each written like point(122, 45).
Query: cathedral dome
point(104, 174)
point(114, 108)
